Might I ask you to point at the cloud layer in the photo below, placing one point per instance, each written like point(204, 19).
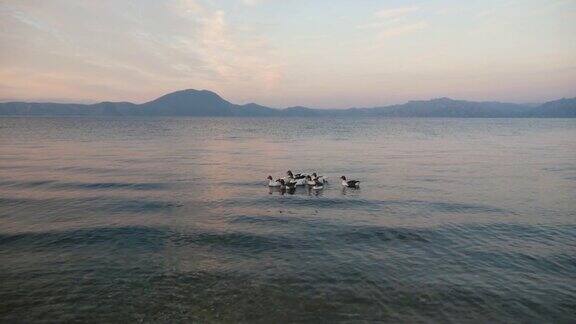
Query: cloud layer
point(282, 53)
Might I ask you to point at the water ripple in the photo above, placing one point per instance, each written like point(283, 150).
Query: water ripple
point(90, 204)
point(126, 237)
point(351, 203)
point(53, 184)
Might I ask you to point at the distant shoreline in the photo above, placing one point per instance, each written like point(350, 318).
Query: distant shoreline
point(203, 103)
point(268, 117)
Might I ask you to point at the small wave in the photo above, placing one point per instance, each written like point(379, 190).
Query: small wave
point(128, 237)
point(506, 231)
point(239, 240)
point(370, 204)
point(300, 201)
point(264, 219)
point(90, 170)
point(111, 185)
point(340, 237)
point(455, 207)
point(376, 233)
point(53, 184)
point(244, 183)
point(26, 184)
point(94, 204)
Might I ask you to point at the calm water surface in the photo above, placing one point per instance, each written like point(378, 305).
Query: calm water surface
point(167, 220)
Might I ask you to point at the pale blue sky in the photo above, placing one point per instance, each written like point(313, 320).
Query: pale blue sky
point(282, 53)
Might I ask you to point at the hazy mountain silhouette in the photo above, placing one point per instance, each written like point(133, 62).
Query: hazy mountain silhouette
point(188, 103)
point(253, 110)
point(563, 108)
point(445, 107)
point(206, 103)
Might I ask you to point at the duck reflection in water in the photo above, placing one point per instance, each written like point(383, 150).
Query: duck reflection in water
point(282, 190)
point(314, 192)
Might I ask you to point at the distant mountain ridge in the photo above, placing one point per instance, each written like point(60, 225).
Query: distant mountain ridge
point(206, 103)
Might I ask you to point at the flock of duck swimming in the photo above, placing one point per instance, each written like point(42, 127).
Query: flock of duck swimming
point(313, 181)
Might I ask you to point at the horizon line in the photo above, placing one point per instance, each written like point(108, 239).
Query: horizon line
point(88, 103)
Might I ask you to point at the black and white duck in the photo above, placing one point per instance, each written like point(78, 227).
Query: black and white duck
point(273, 183)
point(319, 178)
point(350, 183)
point(298, 179)
point(318, 185)
point(286, 185)
point(310, 181)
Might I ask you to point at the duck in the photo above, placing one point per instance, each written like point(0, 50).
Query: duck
point(301, 182)
point(310, 181)
point(319, 178)
point(286, 185)
point(298, 179)
point(295, 176)
point(350, 183)
point(273, 183)
point(318, 185)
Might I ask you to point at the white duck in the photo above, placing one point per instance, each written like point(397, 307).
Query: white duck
point(309, 181)
point(350, 183)
point(273, 183)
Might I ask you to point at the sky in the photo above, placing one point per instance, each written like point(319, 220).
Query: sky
point(281, 53)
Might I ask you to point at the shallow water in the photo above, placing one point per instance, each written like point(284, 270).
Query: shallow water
point(457, 220)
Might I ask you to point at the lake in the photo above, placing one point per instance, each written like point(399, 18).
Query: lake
point(171, 220)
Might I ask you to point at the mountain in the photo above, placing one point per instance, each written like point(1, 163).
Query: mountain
point(59, 109)
point(446, 107)
point(207, 103)
point(563, 108)
point(188, 103)
point(304, 112)
point(255, 110)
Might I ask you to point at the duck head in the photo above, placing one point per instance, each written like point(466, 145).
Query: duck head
point(343, 178)
point(269, 177)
